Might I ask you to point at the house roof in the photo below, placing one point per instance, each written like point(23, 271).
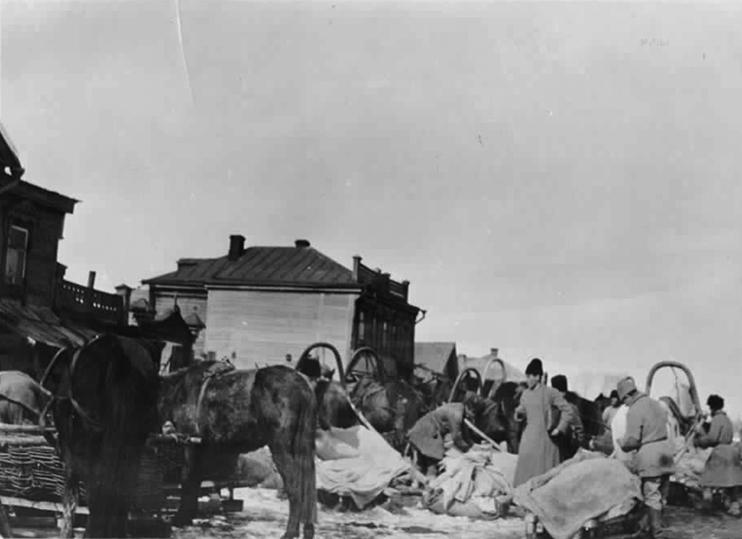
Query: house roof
point(434, 355)
point(261, 266)
point(41, 324)
point(8, 153)
point(38, 194)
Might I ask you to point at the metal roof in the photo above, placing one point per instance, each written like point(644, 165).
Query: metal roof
point(41, 324)
point(262, 266)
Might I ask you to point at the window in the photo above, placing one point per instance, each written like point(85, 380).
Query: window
point(361, 327)
point(15, 261)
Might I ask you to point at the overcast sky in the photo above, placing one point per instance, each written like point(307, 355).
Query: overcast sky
point(559, 180)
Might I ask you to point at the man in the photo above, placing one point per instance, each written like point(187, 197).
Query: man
point(723, 468)
point(646, 433)
point(574, 438)
point(610, 412)
point(429, 434)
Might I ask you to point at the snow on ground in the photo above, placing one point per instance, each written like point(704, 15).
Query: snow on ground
point(265, 515)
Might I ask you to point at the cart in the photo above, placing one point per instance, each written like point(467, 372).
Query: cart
point(33, 480)
point(470, 379)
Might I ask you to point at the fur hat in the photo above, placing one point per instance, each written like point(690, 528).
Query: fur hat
point(625, 387)
point(535, 367)
point(715, 402)
point(559, 382)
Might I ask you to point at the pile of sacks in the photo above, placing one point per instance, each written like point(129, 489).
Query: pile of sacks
point(476, 484)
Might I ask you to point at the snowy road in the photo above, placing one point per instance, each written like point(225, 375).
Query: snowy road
point(265, 516)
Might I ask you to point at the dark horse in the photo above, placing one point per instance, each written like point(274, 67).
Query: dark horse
point(495, 416)
point(237, 411)
point(105, 405)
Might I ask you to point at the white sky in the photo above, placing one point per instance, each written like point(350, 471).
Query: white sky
point(556, 179)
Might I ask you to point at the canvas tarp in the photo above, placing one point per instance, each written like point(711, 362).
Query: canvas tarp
point(356, 462)
point(472, 483)
point(597, 486)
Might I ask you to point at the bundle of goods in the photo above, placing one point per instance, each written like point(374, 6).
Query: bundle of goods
point(356, 462)
point(600, 489)
point(476, 484)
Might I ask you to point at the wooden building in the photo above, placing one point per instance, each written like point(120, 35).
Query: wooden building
point(40, 311)
point(259, 304)
point(436, 359)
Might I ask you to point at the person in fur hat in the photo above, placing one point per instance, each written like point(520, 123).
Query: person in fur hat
point(538, 452)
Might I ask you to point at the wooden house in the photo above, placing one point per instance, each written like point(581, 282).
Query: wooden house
point(261, 305)
point(40, 311)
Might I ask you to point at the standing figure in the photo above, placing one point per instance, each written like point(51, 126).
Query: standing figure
point(646, 433)
point(723, 468)
point(574, 437)
point(610, 411)
point(538, 452)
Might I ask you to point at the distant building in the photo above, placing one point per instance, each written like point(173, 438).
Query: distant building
point(436, 358)
point(492, 368)
point(259, 304)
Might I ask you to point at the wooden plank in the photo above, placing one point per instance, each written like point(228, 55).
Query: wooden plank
point(7, 441)
point(29, 429)
point(56, 507)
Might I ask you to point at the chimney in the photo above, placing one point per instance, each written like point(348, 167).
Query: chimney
point(125, 292)
point(302, 243)
point(406, 288)
point(356, 267)
point(236, 246)
point(493, 352)
point(91, 279)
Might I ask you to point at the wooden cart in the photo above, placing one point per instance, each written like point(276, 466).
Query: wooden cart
point(32, 477)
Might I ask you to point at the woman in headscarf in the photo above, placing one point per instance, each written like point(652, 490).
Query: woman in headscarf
point(723, 468)
point(538, 452)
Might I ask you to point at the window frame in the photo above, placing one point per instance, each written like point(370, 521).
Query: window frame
point(16, 280)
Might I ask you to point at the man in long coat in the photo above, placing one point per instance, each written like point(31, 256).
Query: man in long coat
point(723, 468)
point(538, 452)
point(646, 434)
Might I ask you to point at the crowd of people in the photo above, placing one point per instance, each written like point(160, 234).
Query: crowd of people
point(553, 431)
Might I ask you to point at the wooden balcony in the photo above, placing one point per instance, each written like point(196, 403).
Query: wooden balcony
point(86, 302)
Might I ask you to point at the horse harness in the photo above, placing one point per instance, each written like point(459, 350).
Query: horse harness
point(213, 372)
point(92, 423)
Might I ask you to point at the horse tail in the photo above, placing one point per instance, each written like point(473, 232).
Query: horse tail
point(303, 450)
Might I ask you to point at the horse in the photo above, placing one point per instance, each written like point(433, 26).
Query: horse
point(104, 407)
point(591, 414)
point(237, 411)
point(434, 390)
point(22, 399)
point(495, 416)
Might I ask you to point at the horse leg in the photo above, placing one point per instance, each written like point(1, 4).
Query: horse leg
point(298, 473)
point(70, 496)
point(189, 489)
point(289, 473)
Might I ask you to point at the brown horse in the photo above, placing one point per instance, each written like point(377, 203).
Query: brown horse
point(105, 405)
point(238, 411)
